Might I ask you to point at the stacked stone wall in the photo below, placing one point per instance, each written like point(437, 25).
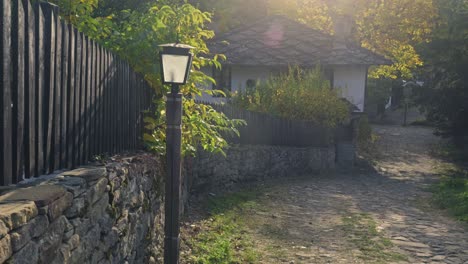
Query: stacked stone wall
point(248, 163)
point(94, 214)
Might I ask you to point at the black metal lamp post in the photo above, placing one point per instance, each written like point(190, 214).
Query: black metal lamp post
point(176, 61)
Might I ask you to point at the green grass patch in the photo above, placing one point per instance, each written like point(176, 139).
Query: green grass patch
point(362, 232)
point(451, 193)
point(223, 238)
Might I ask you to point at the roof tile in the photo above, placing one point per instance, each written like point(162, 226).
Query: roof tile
point(278, 41)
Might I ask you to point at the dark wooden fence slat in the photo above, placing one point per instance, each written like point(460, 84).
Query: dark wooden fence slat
point(131, 99)
point(30, 92)
point(40, 82)
point(124, 95)
point(120, 106)
point(65, 62)
point(92, 101)
point(105, 103)
point(5, 101)
point(116, 104)
point(76, 126)
point(137, 108)
point(49, 84)
point(18, 87)
point(57, 93)
point(129, 106)
point(83, 87)
point(125, 124)
point(113, 115)
point(128, 127)
point(107, 118)
point(100, 109)
point(71, 97)
point(86, 112)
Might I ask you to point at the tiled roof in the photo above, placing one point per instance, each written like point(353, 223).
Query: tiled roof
point(277, 41)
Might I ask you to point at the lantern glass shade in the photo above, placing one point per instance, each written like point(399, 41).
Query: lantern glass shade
point(176, 61)
point(175, 68)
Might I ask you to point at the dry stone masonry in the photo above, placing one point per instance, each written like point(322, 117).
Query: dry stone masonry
point(94, 214)
point(247, 163)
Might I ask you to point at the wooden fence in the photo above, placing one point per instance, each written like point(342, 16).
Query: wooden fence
point(265, 129)
point(63, 97)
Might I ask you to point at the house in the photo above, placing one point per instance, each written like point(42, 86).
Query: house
point(272, 44)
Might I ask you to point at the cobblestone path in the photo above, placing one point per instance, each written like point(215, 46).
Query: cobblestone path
point(375, 214)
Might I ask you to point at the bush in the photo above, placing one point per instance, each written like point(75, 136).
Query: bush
point(365, 137)
point(298, 94)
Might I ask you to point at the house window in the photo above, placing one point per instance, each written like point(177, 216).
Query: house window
point(223, 79)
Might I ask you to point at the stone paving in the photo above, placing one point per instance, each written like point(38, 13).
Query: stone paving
point(304, 219)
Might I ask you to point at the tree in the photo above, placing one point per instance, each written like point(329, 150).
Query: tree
point(394, 29)
point(135, 36)
point(445, 95)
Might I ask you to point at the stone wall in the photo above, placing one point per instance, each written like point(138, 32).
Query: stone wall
point(94, 214)
point(246, 163)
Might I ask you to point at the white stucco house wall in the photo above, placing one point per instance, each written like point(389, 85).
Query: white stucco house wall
point(272, 44)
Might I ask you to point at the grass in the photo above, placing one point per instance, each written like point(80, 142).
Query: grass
point(362, 233)
point(451, 193)
point(223, 238)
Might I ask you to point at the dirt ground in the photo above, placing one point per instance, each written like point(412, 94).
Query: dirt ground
point(378, 213)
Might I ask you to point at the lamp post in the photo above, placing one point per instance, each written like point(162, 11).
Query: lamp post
point(176, 61)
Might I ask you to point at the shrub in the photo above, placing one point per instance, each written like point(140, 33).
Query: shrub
point(297, 94)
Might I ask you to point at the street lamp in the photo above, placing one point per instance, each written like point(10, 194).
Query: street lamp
point(176, 61)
